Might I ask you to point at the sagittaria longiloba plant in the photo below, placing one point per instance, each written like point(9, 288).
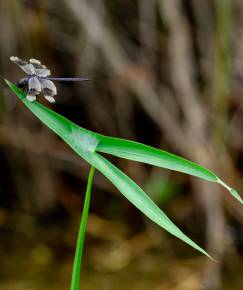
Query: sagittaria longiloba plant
point(89, 145)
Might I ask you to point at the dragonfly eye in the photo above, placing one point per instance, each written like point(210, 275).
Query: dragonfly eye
point(22, 84)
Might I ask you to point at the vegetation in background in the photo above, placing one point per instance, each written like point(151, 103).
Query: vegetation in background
point(165, 73)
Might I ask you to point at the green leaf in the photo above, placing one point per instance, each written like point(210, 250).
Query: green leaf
point(146, 154)
point(86, 143)
point(90, 141)
point(81, 234)
point(139, 152)
point(139, 198)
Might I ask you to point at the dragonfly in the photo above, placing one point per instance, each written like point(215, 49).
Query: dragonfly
point(38, 79)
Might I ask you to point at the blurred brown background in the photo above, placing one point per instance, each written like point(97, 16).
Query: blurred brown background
point(168, 73)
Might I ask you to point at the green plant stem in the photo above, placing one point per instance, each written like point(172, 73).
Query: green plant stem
point(81, 234)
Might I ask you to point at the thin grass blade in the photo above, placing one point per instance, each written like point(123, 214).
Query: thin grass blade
point(81, 235)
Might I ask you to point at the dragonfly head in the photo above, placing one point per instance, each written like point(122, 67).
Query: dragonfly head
point(22, 84)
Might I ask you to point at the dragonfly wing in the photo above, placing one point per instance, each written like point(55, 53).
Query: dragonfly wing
point(49, 90)
point(24, 65)
point(22, 84)
point(34, 86)
point(42, 72)
point(40, 69)
point(36, 63)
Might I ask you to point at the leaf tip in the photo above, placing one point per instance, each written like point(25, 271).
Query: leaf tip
point(233, 192)
point(7, 82)
point(207, 254)
point(236, 195)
